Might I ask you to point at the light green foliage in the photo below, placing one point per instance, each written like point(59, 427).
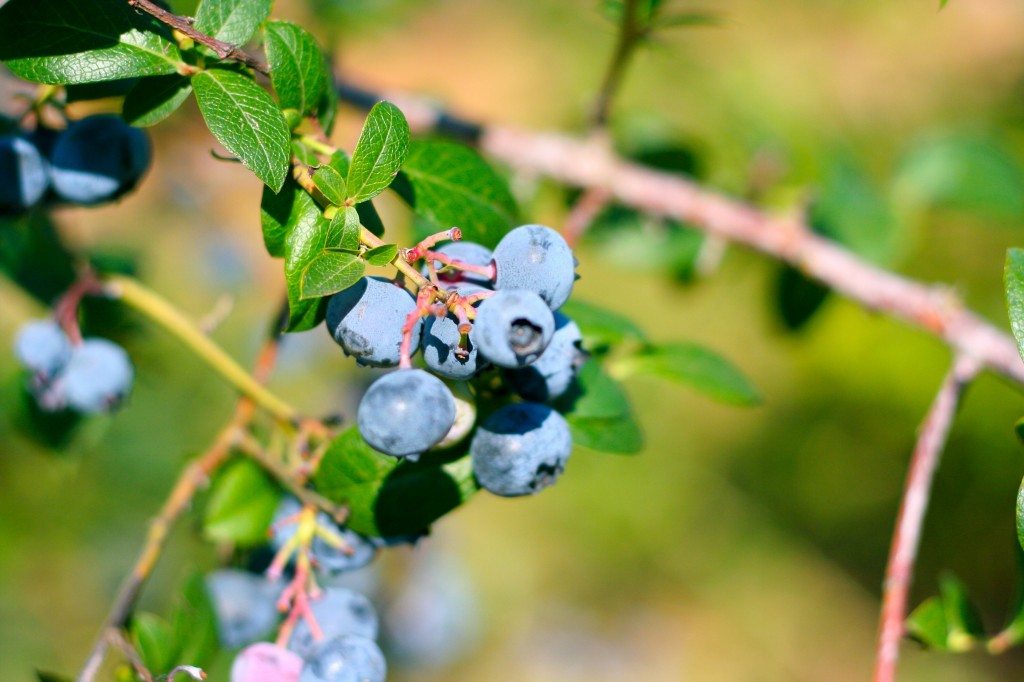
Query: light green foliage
point(696, 367)
point(241, 505)
point(243, 118)
point(232, 21)
point(379, 153)
point(83, 41)
point(297, 68)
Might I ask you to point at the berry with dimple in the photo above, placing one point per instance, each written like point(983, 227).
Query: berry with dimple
point(97, 159)
point(345, 659)
point(513, 327)
point(366, 321)
point(405, 413)
point(266, 662)
point(244, 605)
point(42, 347)
point(97, 377)
point(553, 372)
point(338, 611)
point(536, 258)
point(520, 449)
point(23, 175)
point(465, 414)
point(469, 253)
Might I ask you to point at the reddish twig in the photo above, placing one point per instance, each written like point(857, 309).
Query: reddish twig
point(924, 461)
point(195, 476)
point(184, 26)
point(415, 253)
point(583, 213)
point(588, 164)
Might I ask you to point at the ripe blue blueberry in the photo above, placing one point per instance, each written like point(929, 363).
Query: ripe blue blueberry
point(552, 373)
point(366, 321)
point(520, 449)
point(536, 258)
point(23, 176)
point(97, 159)
point(42, 347)
point(464, 252)
point(244, 605)
point(513, 327)
point(345, 659)
point(405, 412)
point(338, 611)
point(97, 377)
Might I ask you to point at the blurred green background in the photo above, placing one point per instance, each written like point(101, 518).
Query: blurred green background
point(743, 544)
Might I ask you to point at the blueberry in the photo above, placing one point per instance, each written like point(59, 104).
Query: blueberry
point(513, 327)
point(465, 414)
point(441, 344)
point(465, 252)
point(552, 373)
point(266, 662)
point(23, 175)
point(345, 659)
point(405, 412)
point(520, 449)
point(97, 159)
point(536, 258)
point(338, 611)
point(42, 347)
point(366, 321)
point(97, 377)
point(244, 604)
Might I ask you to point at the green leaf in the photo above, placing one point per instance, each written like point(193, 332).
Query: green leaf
point(963, 171)
point(798, 297)
point(331, 272)
point(245, 119)
point(617, 435)
point(943, 3)
point(195, 624)
point(449, 185)
point(241, 505)
point(381, 255)
point(297, 69)
point(369, 218)
point(1020, 515)
point(331, 184)
point(962, 619)
point(599, 413)
point(232, 21)
point(346, 224)
point(600, 326)
point(851, 210)
point(387, 497)
point(155, 641)
point(154, 99)
point(379, 153)
point(327, 107)
point(1013, 281)
point(694, 366)
point(281, 212)
point(687, 20)
point(86, 92)
point(85, 41)
point(927, 624)
point(307, 238)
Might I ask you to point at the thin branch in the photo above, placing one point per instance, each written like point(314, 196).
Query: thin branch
point(170, 318)
point(629, 37)
point(184, 26)
point(585, 164)
point(907, 536)
point(583, 213)
point(195, 476)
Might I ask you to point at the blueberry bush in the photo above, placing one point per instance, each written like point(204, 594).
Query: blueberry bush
point(477, 366)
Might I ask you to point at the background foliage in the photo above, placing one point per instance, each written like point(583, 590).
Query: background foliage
point(744, 543)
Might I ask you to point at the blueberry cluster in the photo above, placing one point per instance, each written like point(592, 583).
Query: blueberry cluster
point(94, 160)
point(91, 376)
point(247, 609)
point(504, 323)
